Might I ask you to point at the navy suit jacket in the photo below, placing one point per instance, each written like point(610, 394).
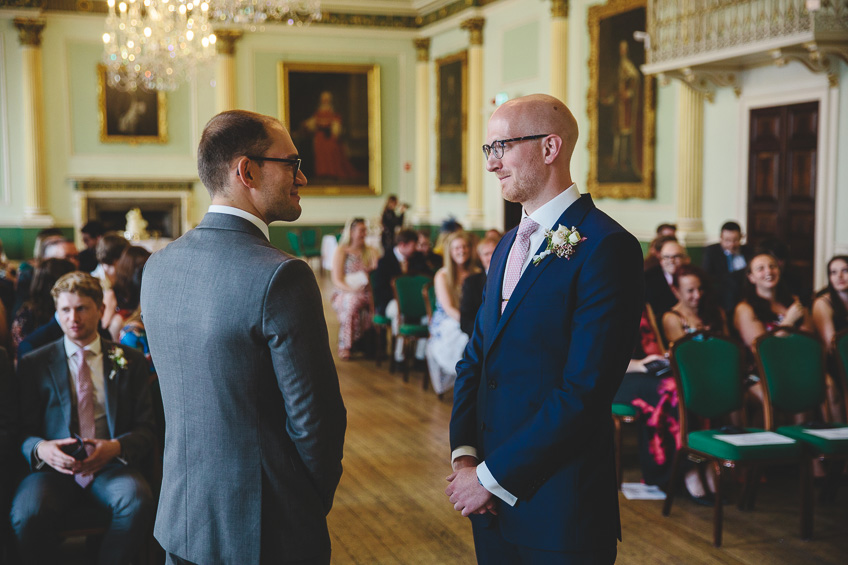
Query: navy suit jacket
point(534, 388)
point(46, 403)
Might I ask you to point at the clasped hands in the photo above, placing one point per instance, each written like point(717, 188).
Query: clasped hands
point(104, 451)
point(465, 491)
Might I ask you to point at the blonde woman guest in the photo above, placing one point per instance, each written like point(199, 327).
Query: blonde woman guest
point(447, 340)
point(352, 262)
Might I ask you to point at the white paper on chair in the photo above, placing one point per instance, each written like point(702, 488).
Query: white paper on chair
point(757, 438)
point(832, 433)
point(356, 280)
point(638, 491)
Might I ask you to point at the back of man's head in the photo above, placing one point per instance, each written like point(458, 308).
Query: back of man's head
point(81, 284)
point(227, 136)
point(110, 248)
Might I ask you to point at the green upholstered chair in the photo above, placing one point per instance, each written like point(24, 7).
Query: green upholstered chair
point(301, 250)
point(792, 364)
point(383, 327)
point(709, 371)
point(840, 351)
point(411, 309)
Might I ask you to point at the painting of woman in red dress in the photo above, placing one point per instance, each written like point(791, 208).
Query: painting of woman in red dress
point(331, 159)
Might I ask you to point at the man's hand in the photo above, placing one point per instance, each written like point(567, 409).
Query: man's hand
point(467, 494)
point(104, 451)
point(464, 461)
point(50, 453)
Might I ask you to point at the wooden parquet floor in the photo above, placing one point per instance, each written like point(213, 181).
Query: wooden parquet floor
point(390, 507)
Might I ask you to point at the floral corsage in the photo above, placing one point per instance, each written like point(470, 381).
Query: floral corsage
point(562, 242)
point(116, 356)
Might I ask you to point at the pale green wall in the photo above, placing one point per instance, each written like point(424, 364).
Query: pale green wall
point(842, 158)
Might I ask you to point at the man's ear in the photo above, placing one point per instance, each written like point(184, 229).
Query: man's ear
point(243, 172)
point(551, 146)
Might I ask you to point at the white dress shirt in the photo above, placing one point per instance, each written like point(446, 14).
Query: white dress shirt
point(232, 211)
point(546, 216)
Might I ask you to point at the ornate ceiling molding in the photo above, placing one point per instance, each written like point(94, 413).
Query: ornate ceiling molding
point(818, 57)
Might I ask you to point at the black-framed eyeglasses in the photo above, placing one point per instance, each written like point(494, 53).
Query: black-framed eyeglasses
point(295, 163)
point(497, 146)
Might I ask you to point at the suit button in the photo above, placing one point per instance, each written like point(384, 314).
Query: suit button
point(493, 384)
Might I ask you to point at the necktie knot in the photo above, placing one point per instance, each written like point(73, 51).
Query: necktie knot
point(526, 227)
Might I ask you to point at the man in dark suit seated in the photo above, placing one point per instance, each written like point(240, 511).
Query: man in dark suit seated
point(91, 234)
point(98, 392)
point(402, 259)
point(724, 261)
point(472, 288)
point(658, 279)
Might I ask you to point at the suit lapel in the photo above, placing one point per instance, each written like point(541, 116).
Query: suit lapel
point(111, 385)
point(495, 287)
point(572, 216)
point(61, 375)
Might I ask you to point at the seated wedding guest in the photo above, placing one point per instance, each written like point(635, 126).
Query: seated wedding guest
point(449, 226)
point(658, 280)
point(352, 262)
point(724, 262)
point(830, 316)
point(104, 397)
point(402, 259)
point(695, 311)
point(91, 233)
point(8, 450)
point(425, 247)
point(128, 271)
point(27, 268)
point(109, 249)
point(472, 289)
point(768, 303)
point(61, 249)
point(39, 309)
point(126, 299)
point(792, 279)
point(447, 341)
point(665, 232)
point(391, 221)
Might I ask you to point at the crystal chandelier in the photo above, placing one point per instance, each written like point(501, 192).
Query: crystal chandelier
point(254, 13)
point(156, 44)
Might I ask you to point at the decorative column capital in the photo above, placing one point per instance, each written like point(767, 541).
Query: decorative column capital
point(559, 8)
point(422, 49)
point(226, 40)
point(29, 30)
point(475, 27)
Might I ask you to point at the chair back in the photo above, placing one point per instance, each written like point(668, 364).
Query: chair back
point(411, 304)
point(652, 321)
point(709, 371)
point(791, 363)
point(309, 238)
point(840, 353)
point(294, 241)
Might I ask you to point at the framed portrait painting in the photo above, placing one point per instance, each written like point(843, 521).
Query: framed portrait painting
point(333, 114)
point(620, 103)
point(451, 122)
point(139, 116)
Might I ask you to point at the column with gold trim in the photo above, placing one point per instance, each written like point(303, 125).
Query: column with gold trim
point(225, 87)
point(690, 163)
point(474, 172)
point(421, 212)
point(559, 49)
point(35, 209)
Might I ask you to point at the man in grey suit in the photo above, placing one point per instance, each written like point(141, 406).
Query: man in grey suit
point(254, 417)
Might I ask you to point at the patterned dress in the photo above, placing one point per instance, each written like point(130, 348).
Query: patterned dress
point(353, 308)
point(444, 349)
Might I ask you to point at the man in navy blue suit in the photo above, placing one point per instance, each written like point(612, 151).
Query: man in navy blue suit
point(531, 432)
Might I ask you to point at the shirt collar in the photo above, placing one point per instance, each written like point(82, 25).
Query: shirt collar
point(71, 348)
point(549, 212)
point(232, 211)
point(399, 255)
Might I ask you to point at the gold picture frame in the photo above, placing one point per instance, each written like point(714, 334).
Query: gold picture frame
point(451, 122)
point(333, 114)
point(620, 103)
point(130, 117)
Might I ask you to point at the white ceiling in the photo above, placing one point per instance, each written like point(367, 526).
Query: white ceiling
point(388, 7)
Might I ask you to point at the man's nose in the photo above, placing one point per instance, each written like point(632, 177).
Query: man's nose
point(300, 178)
point(492, 163)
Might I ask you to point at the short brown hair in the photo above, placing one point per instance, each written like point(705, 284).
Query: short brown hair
point(81, 284)
point(228, 135)
point(110, 248)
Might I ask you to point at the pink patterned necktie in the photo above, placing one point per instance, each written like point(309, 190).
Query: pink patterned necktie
point(85, 409)
point(520, 248)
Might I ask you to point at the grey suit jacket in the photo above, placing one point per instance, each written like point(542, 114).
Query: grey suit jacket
point(254, 417)
point(46, 403)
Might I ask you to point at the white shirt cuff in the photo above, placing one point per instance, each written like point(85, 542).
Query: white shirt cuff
point(490, 484)
point(463, 450)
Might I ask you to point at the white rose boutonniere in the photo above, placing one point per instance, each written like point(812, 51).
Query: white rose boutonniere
point(562, 242)
point(116, 356)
